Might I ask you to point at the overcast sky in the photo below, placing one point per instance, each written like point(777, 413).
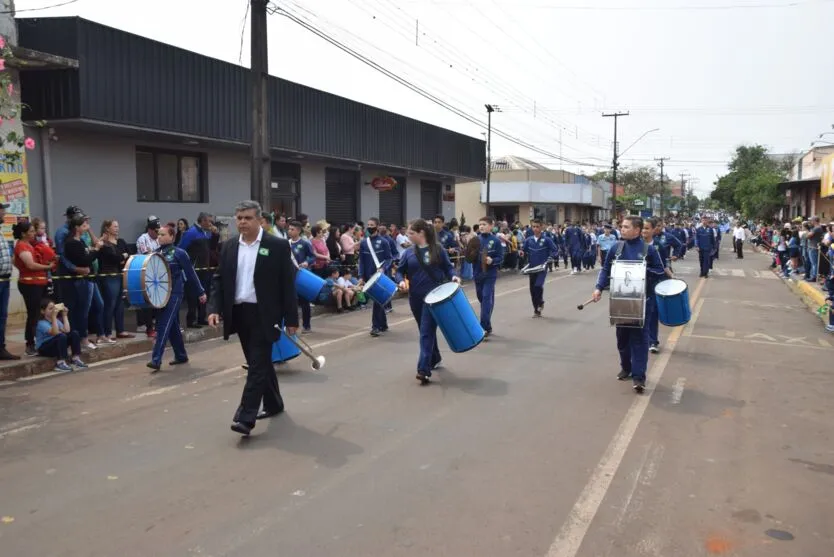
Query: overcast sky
point(711, 74)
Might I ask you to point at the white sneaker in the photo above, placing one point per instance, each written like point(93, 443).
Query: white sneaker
point(90, 346)
point(829, 328)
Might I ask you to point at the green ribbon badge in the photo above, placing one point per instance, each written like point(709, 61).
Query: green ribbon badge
point(263, 251)
point(824, 309)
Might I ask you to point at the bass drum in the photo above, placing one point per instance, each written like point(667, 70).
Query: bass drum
point(147, 281)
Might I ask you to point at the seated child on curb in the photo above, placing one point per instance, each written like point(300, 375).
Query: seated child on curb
point(335, 292)
point(53, 335)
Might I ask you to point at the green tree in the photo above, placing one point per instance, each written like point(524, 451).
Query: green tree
point(752, 183)
point(638, 180)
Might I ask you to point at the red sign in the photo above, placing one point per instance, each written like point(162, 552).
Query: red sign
point(383, 183)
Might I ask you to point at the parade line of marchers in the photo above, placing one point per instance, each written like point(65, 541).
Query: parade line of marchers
point(261, 281)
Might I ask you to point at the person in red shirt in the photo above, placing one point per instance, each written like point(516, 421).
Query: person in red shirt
point(33, 281)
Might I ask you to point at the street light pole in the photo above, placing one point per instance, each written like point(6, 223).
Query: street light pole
point(490, 108)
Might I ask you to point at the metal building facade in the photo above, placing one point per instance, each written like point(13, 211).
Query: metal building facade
point(131, 80)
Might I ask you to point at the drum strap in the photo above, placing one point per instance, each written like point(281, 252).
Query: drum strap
point(373, 253)
point(621, 245)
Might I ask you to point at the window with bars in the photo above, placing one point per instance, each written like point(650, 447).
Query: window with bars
point(171, 176)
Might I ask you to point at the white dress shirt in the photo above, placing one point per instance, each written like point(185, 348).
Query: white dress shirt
point(738, 233)
point(245, 280)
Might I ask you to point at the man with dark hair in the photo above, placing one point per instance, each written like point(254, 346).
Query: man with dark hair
point(304, 255)
point(632, 342)
point(254, 291)
point(444, 236)
point(705, 243)
point(195, 241)
point(539, 250)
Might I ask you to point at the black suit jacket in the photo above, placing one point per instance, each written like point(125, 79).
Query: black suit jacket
point(274, 285)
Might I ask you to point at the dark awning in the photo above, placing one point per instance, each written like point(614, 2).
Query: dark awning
point(28, 59)
point(797, 184)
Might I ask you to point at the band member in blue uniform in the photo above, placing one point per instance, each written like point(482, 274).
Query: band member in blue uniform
point(374, 253)
point(705, 242)
point(485, 273)
point(669, 248)
point(426, 265)
point(563, 244)
point(716, 230)
point(605, 241)
point(182, 275)
point(539, 250)
point(304, 256)
point(632, 342)
point(575, 244)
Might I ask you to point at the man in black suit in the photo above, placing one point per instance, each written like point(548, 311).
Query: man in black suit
point(253, 291)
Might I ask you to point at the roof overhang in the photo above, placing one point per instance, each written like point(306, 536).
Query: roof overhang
point(809, 183)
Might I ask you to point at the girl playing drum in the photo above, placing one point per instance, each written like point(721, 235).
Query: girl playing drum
point(426, 265)
point(168, 324)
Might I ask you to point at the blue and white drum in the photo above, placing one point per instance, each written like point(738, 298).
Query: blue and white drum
point(147, 281)
point(380, 288)
point(284, 349)
point(308, 285)
point(454, 315)
point(672, 297)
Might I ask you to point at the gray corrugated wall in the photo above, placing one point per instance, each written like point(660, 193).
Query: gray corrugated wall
point(128, 79)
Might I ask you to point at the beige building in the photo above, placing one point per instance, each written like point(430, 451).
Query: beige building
point(521, 190)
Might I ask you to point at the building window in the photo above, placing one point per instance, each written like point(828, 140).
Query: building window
point(171, 176)
point(285, 188)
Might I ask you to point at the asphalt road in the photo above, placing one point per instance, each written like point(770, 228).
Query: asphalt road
point(525, 446)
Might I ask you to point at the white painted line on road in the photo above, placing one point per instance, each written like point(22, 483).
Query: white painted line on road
point(20, 426)
point(738, 273)
point(150, 393)
point(573, 531)
point(765, 342)
point(677, 390)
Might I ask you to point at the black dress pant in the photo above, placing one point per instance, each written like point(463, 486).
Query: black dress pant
point(196, 311)
point(261, 381)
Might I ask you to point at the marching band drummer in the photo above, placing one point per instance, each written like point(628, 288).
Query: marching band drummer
point(485, 271)
point(168, 324)
point(539, 249)
point(374, 254)
point(632, 342)
point(426, 265)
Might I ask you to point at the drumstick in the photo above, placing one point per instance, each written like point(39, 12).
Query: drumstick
point(582, 306)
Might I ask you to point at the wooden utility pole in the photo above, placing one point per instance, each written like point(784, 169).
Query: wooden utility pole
point(260, 157)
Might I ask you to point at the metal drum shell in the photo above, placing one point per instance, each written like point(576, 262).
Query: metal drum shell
point(455, 317)
point(134, 280)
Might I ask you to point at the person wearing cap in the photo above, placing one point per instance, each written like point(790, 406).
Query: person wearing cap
point(65, 267)
point(605, 241)
point(146, 244)
point(5, 289)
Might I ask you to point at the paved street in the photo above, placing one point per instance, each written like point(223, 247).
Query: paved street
point(525, 446)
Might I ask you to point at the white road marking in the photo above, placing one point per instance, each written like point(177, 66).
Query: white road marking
point(150, 393)
point(573, 531)
point(677, 390)
point(738, 273)
point(21, 429)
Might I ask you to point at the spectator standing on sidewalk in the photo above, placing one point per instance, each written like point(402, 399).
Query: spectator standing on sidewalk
point(113, 255)
point(146, 244)
point(815, 236)
point(196, 243)
point(5, 277)
point(32, 281)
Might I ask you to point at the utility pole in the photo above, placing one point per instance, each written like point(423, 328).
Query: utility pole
point(490, 108)
point(614, 115)
point(683, 193)
point(661, 160)
point(260, 156)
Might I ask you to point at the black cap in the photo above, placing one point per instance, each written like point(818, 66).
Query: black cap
point(73, 210)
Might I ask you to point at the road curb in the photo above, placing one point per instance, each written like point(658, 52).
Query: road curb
point(813, 297)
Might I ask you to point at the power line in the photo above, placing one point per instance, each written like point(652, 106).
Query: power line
point(67, 3)
point(367, 61)
point(243, 32)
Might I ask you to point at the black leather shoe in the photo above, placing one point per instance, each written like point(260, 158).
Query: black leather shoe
point(177, 362)
point(154, 367)
point(263, 414)
point(242, 428)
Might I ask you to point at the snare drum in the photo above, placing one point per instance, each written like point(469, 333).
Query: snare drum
point(308, 285)
point(455, 317)
point(380, 288)
point(672, 297)
point(147, 280)
point(627, 300)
